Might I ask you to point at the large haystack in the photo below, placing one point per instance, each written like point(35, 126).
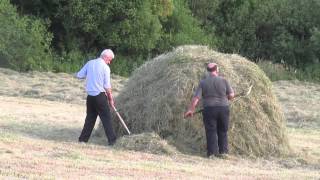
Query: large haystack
point(157, 95)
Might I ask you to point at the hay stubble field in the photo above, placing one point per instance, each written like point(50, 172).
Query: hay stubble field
point(41, 116)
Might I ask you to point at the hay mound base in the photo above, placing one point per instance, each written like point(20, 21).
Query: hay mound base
point(158, 93)
point(146, 142)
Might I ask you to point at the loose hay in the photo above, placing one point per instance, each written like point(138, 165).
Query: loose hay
point(157, 95)
point(300, 102)
point(61, 87)
point(146, 142)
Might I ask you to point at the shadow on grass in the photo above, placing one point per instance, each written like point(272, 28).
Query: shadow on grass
point(49, 132)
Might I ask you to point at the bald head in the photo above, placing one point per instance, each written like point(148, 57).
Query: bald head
point(211, 67)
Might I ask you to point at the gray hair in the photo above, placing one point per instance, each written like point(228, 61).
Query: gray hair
point(107, 52)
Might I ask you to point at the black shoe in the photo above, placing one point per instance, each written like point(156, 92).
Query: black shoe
point(111, 143)
point(82, 141)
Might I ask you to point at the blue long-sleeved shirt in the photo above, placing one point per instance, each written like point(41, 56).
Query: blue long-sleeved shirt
point(97, 74)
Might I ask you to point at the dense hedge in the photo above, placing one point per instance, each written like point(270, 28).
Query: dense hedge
point(285, 31)
point(24, 41)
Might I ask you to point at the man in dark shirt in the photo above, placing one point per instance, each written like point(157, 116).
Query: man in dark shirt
point(216, 93)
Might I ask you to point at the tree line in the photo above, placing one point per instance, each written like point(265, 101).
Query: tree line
point(61, 35)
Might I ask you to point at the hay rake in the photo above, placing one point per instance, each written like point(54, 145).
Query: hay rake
point(121, 120)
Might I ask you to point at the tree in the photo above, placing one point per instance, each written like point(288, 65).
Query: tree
point(279, 31)
point(24, 41)
point(182, 28)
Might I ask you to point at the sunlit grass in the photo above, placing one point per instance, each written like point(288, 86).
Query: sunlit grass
point(38, 140)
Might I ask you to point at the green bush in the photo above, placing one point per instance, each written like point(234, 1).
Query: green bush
point(277, 72)
point(124, 66)
point(69, 61)
point(74, 60)
point(182, 28)
point(24, 41)
point(311, 72)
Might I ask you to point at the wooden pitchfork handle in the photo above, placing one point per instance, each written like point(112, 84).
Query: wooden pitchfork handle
point(121, 120)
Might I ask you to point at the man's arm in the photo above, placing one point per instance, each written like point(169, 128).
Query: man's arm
point(192, 107)
point(107, 86)
point(110, 97)
point(194, 102)
point(230, 92)
point(82, 73)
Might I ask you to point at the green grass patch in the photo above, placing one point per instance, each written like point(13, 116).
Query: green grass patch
point(277, 72)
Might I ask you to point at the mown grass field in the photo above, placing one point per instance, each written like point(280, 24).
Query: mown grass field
point(38, 140)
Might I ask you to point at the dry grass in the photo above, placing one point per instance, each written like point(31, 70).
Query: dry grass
point(146, 142)
point(38, 141)
point(46, 85)
point(306, 144)
point(157, 94)
point(300, 102)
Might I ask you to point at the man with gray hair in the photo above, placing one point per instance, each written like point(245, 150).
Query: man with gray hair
point(98, 87)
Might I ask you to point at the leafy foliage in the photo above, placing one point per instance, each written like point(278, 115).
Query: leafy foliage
point(24, 41)
point(280, 31)
point(285, 31)
point(182, 28)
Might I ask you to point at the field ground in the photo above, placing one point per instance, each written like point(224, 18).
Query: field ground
point(38, 140)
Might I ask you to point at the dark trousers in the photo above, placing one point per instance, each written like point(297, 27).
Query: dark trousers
point(216, 122)
point(97, 105)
